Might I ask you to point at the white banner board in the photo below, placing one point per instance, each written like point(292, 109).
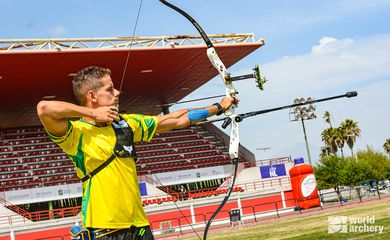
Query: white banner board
point(192, 175)
point(44, 194)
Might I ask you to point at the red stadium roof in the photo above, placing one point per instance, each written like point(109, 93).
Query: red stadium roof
point(154, 76)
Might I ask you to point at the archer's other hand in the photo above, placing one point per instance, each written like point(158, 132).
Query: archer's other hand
point(106, 114)
point(226, 102)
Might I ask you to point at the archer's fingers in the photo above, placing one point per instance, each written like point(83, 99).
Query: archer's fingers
point(114, 109)
point(114, 116)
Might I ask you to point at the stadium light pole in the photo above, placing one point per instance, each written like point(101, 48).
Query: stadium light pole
point(302, 114)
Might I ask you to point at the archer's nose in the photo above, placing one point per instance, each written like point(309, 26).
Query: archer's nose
point(117, 93)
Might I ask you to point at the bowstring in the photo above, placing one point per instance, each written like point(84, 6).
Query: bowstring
point(181, 212)
point(120, 90)
point(131, 44)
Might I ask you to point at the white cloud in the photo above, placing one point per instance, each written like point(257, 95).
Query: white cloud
point(333, 64)
point(333, 67)
point(58, 30)
point(330, 44)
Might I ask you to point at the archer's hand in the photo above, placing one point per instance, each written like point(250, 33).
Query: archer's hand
point(105, 114)
point(226, 102)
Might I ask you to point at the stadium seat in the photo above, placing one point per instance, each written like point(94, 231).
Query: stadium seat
point(29, 153)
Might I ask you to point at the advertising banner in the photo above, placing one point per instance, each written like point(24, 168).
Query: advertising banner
point(271, 171)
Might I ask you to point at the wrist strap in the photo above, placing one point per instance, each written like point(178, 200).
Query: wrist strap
point(220, 109)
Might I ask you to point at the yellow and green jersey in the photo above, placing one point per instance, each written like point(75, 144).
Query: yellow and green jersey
point(111, 198)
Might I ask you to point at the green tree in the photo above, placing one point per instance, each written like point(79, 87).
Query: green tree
point(324, 152)
point(387, 170)
point(378, 162)
point(329, 136)
point(327, 118)
point(352, 132)
point(386, 146)
point(329, 172)
point(326, 137)
point(355, 172)
point(340, 138)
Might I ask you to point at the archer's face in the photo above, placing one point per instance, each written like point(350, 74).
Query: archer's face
point(107, 95)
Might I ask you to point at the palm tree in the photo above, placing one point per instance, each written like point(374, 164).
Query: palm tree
point(327, 118)
point(324, 152)
point(328, 136)
point(351, 131)
point(386, 146)
point(340, 138)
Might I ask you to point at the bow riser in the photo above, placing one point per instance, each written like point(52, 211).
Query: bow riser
point(234, 138)
point(225, 75)
point(218, 64)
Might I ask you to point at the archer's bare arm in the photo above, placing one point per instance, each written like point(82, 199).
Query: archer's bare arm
point(54, 115)
point(179, 119)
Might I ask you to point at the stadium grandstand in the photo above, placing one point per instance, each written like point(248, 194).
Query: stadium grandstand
point(183, 174)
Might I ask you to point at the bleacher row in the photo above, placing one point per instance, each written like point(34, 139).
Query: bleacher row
point(28, 158)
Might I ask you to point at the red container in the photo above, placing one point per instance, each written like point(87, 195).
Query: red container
point(304, 185)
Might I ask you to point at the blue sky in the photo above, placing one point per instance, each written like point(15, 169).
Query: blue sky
point(313, 48)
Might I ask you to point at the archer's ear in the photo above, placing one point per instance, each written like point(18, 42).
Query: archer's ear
point(91, 96)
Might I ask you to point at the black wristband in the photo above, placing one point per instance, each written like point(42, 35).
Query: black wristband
point(220, 109)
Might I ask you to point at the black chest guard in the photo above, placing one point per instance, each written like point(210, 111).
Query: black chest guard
point(124, 146)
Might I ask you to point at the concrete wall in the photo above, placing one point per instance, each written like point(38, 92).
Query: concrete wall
point(248, 175)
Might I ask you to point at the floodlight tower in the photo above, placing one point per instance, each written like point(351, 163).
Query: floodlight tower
point(301, 114)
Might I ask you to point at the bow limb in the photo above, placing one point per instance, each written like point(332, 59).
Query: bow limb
point(230, 113)
point(211, 51)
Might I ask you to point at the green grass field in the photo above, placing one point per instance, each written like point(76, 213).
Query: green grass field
point(312, 227)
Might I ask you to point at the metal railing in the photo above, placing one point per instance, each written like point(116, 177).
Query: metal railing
point(261, 211)
point(61, 44)
point(267, 162)
point(255, 186)
point(24, 216)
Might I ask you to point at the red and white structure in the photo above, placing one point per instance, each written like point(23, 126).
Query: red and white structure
point(35, 172)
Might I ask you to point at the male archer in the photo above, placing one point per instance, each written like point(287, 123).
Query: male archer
point(111, 205)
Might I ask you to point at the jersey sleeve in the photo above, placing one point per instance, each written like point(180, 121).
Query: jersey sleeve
point(144, 127)
point(65, 142)
point(71, 143)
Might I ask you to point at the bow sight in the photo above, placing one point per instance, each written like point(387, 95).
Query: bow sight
point(260, 81)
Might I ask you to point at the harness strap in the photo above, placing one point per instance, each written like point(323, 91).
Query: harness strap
point(98, 169)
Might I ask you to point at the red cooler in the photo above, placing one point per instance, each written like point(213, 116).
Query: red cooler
point(304, 185)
